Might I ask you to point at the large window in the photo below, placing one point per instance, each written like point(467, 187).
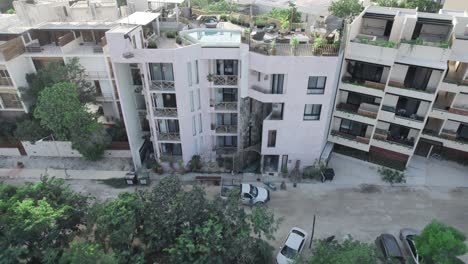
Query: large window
point(226, 67)
point(229, 95)
point(271, 138)
point(171, 149)
point(10, 100)
point(353, 128)
point(316, 84)
point(277, 83)
point(312, 111)
point(161, 71)
point(227, 141)
point(227, 119)
point(365, 71)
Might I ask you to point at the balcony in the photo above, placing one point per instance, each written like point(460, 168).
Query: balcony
point(357, 142)
point(401, 89)
point(427, 54)
point(226, 129)
point(222, 150)
point(162, 86)
point(375, 51)
point(168, 136)
point(229, 80)
point(364, 113)
point(165, 112)
point(363, 86)
point(401, 117)
point(448, 138)
point(226, 106)
point(6, 82)
point(384, 139)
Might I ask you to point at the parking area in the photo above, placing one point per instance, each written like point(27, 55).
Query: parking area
point(367, 211)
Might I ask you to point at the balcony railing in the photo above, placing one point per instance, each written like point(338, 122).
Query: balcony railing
point(226, 129)
point(364, 109)
point(359, 139)
point(221, 150)
point(459, 110)
point(6, 82)
point(226, 106)
point(285, 49)
point(168, 136)
point(364, 83)
point(162, 85)
point(168, 157)
point(383, 135)
point(446, 134)
point(165, 112)
point(403, 86)
point(401, 113)
point(224, 79)
point(262, 89)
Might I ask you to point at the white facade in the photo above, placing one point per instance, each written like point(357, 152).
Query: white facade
point(214, 85)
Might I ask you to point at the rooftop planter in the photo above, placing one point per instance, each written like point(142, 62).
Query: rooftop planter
point(377, 42)
point(420, 42)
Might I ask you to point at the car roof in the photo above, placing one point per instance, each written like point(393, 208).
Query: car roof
point(294, 239)
point(391, 245)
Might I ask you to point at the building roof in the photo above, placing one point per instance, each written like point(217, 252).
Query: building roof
point(76, 26)
point(139, 18)
point(167, 1)
point(11, 24)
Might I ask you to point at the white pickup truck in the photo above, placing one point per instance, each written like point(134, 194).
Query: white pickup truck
point(249, 194)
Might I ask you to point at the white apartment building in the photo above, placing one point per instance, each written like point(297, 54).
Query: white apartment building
point(211, 96)
point(53, 31)
point(402, 87)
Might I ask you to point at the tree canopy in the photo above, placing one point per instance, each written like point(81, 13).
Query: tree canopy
point(48, 223)
point(54, 73)
point(345, 8)
point(440, 243)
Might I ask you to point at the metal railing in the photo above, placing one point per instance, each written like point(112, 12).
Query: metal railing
point(225, 79)
point(226, 129)
point(162, 85)
point(169, 136)
point(230, 106)
point(165, 112)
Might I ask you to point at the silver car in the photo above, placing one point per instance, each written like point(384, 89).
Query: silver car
point(407, 239)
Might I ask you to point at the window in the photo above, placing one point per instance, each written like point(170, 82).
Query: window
point(229, 95)
point(189, 71)
point(197, 77)
point(4, 74)
point(192, 106)
point(365, 71)
point(161, 71)
point(10, 100)
point(316, 84)
point(134, 41)
point(198, 100)
point(194, 126)
point(353, 128)
point(200, 124)
point(226, 67)
point(271, 138)
point(312, 111)
point(227, 141)
point(195, 145)
point(97, 85)
point(277, 81)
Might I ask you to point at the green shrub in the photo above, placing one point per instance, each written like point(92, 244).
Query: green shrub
point(392, 176)
point(178, 40)
point(315, 171)
point(152, 45)
point(224, 17)
point(319, 42)
point(195, 164)
point(171, 34)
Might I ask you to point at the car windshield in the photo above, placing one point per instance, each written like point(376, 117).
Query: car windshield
point(413, 248)
point(253, 191)
point(288, 252)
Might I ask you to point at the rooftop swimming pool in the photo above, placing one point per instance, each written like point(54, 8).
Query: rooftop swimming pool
point(212, 37)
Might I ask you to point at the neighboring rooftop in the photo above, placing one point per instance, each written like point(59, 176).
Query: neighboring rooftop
point(11, 24)
point(139, 18)
point(77, 25)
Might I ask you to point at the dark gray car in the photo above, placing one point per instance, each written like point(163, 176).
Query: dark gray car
point(407, 239)
point(389, 247)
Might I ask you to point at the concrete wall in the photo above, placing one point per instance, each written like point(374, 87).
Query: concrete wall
point(64, 149)
point(9, 152)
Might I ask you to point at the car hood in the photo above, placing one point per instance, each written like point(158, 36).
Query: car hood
point(262, 195)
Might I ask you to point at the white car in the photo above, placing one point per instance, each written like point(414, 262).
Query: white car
point(253, 195)
point(292, 246)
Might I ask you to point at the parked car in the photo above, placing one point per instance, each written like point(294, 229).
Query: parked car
point(389, 247)
point(407, 238)
point(292, 246)
point(249, 194)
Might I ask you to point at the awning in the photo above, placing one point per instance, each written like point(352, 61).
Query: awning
point(139, 18)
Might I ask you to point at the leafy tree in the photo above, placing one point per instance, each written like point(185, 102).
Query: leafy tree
point(348, 251)
point(11, 11)
point(38, 220)
point(86, 253)
point(30, 130)
point(60, 110)
point(440, 243)
point(93, 143)
point(55, 73)
point(345, 8)
point(422, 5)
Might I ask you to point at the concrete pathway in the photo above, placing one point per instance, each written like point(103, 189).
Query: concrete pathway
point(60, 173)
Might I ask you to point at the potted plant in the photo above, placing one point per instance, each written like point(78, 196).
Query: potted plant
point(294, 45)
point(273, 47)
point(152, 45)
point(209, 77)
point(157, 168)
point(318, 44)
